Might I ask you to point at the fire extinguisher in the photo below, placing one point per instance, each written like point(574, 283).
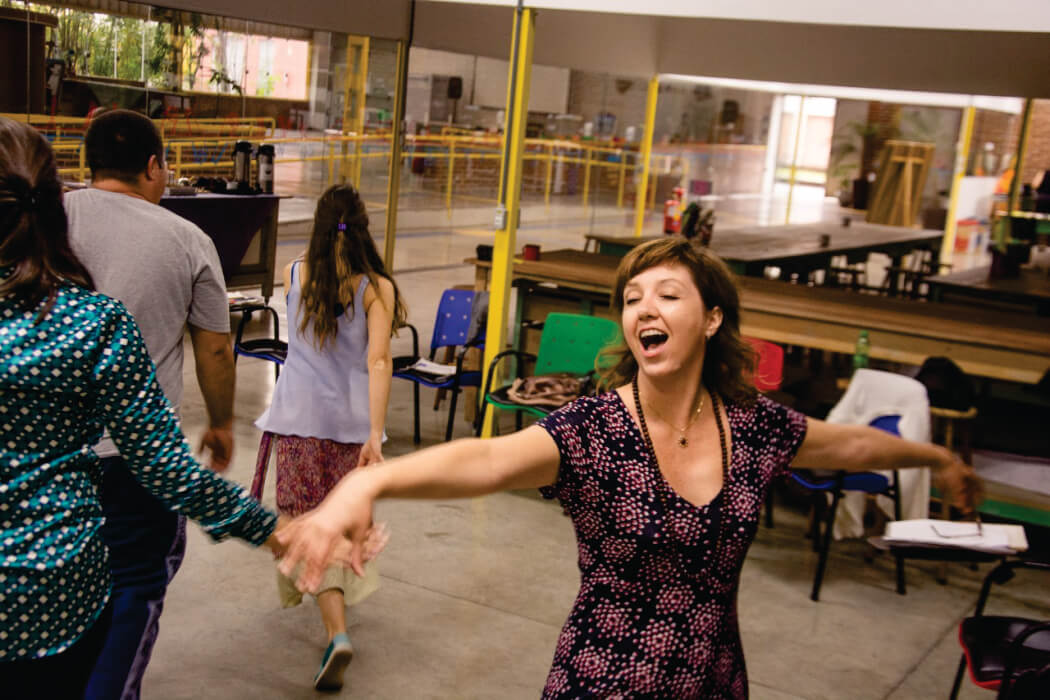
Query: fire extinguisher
point(673, 211)
point(671, 218)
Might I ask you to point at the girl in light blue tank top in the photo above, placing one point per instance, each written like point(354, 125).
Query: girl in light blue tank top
point(329, 406)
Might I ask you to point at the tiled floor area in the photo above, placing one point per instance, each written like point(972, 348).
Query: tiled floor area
point(474, 592)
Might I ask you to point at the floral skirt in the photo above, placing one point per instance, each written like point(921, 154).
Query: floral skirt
point(307, 470)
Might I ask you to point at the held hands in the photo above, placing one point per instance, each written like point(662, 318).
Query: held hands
point(340, 530)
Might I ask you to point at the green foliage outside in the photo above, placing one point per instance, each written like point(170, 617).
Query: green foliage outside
point(107, 45)
point(856, 139)
point(111, 46)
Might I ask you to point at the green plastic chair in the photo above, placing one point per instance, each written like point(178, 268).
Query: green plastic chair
point(569, 343)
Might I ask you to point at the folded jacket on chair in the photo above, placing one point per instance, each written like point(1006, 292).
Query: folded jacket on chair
point(548, 389)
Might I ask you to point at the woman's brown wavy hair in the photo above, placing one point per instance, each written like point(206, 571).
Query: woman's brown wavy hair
point(729, 359)
point(34, 232)
point(340, 246)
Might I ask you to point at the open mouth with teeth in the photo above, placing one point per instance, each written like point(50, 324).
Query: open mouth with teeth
point(652, 338)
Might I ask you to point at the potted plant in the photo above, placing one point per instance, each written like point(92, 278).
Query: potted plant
point(854, 149)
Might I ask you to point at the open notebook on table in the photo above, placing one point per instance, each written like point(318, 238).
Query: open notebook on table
point(992, 538)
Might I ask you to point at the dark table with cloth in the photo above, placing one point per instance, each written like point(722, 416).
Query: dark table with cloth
point(232, 222)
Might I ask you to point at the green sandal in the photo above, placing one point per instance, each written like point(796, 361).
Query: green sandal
point(333, 664)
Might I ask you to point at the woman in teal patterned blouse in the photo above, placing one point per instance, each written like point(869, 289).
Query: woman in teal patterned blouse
point(71, 363)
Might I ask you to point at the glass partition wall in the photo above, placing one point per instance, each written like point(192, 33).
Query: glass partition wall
point(753, 155)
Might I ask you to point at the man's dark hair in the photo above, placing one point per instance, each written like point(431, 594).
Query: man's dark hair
point(119, 144)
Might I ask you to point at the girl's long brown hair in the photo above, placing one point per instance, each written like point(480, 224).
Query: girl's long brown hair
point(34, 232)
point(729, 360)
point(340, 246)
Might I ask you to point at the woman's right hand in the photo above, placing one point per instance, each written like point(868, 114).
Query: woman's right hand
point(960, 484)
point(313, 538)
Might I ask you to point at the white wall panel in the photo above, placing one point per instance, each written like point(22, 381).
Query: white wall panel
point(1006, 15)
point(549, 91)
point(422, 62)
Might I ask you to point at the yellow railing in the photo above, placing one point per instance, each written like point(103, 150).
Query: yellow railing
point(59, 128)
point(342, 155)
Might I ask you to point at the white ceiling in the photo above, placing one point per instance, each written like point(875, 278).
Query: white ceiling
point(984, 15)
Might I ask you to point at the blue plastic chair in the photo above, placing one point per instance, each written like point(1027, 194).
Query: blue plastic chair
point(451, 329)
point(867, 482)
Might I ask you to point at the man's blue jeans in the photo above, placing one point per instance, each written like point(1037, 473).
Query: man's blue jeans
point(146, 543)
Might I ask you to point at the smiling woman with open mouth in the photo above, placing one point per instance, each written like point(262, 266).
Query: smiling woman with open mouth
point(663, 476)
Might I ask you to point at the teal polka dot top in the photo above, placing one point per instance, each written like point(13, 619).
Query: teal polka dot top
point(62, 379)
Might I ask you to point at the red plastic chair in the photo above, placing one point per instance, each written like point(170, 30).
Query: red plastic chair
point(768, 376)
point(769, 369)
point(1008, 654)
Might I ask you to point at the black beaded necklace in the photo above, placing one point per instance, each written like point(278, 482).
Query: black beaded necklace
point(715, 404)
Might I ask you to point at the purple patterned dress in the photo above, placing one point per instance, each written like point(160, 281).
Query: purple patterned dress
point(656, 613)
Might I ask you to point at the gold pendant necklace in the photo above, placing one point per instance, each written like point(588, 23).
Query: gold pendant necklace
point(683, 441)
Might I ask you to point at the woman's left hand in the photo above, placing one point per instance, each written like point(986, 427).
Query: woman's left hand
point(371, 452)
point(960, 484)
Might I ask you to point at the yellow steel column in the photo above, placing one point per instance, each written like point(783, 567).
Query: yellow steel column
point(586, 175)
point(396, 140)
point(357, 48)
point(962, 157)
point(794, 159)
point(646, 154)
point(355, 171)
point(1022, 146)
point(518, 81)
point(550, 174)
point(451, 175)
point(623, 176)
point(329, 149)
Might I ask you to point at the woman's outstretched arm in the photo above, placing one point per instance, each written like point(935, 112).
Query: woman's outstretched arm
point(857, 448)
point(459, 469)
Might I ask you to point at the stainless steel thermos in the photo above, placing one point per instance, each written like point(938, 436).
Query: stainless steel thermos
point(242, 163)
point(264, 168)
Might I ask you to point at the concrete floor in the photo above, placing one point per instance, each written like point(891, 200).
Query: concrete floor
point(474, 592)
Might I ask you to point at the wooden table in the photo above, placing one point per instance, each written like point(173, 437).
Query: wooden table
point(244, 230)
point(1000, 345)
point(1031, 288)
point(797, 248)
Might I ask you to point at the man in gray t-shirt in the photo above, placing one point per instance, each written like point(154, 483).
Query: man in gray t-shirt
point(167, 272)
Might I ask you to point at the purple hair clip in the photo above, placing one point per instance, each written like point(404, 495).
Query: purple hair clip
point(341, 227)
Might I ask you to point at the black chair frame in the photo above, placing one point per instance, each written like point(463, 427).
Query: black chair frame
point(822, 541)
point(273, 349)
point(1010, 682)
point(523, 358)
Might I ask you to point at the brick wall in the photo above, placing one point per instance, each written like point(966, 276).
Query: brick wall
point(994, 140)
point(1037, 157)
